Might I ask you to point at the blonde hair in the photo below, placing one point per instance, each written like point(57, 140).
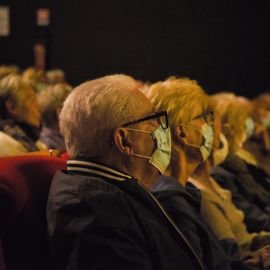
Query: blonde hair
point(262, 100)
point(221, 101)
point(182, 98)
point(233, 115)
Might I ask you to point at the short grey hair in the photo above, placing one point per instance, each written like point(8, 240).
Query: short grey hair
point(52, 98)
point(93, 111)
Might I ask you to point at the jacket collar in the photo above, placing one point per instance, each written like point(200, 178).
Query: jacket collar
point(91, 168)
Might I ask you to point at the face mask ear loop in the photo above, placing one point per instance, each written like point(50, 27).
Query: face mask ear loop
point(140, 131)
point(142, 156)
point(161, 156)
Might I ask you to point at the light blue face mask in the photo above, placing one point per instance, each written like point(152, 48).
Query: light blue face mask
point(250, 125)
point(208, 136)
point(162, 155)
point(266, 122)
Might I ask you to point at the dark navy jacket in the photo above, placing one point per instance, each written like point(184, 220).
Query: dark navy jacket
point(100, 218)
point(245, 194)
point(183, 204)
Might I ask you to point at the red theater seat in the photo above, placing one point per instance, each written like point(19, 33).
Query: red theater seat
point(24, 186)
point(65, 156)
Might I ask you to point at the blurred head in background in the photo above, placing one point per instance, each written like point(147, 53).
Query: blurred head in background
point(18, 101)
point(51, 101)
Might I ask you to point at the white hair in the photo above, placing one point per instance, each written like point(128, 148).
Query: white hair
point(94, 110)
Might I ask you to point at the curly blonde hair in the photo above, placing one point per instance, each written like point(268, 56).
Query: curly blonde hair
point(182, 98)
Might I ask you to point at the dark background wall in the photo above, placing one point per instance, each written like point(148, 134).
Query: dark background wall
point(222, 44)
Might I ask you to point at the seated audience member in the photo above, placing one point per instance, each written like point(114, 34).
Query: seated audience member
point(19, 111)
point(257, 158)
point(188, 127)
point(100, 212)
point(233, 174)
point(259, 143)
point(218, 210)
point(51, 101)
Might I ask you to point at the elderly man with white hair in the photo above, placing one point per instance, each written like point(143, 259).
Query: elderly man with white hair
point(100, 212)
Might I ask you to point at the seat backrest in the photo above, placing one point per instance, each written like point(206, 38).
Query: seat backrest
point(65, 156)
point(24, 186)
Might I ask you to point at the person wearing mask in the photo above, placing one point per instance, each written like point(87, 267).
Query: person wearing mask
point(218, 210)
point(100, 212)
point(192, 137)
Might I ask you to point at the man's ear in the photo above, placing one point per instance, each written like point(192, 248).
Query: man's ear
point(11, 109)
point(179, 134)
point(121, 141)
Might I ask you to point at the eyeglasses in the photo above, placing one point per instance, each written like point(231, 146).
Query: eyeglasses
point(161, 116)
point(207, 117)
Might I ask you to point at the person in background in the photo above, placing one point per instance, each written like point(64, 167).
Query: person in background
point(259, 143)
point(35, 77)
point(51, 100)
point(100, 212)
point(233, 174)
point(19, 112)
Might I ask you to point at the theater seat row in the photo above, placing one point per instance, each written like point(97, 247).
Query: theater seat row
point(24, 186)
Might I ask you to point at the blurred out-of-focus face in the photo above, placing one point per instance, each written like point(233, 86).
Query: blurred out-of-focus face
point(193, 131)
point(27, 109)
point(259, 121)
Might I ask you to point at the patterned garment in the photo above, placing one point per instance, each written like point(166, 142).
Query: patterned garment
point(13, 129)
